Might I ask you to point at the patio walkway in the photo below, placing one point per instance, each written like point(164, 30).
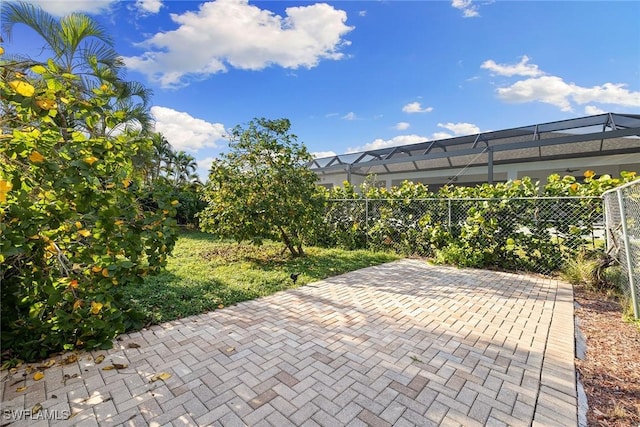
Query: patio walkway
point(404, 343)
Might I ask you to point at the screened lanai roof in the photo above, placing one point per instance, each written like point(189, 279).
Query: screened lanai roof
point(597, 135)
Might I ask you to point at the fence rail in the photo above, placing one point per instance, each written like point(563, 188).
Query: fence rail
point(622, 213)
point(533, 234)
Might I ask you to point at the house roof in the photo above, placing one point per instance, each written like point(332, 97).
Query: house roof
point(596, 135)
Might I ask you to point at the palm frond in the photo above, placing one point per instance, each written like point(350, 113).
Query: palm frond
point(104, 54)
point(132, 89)
point(33, 16)
point(78, 27)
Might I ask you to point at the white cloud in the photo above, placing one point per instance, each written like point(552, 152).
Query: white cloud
point(185, 132)
point(441, 135)
point(459, 129)
point(607, 93)
point(393, 142)
point(149, 6)
point(61, 8)
point(321, 154)
point(592, 110)
point(455, 129)
point(362, 13)
point(555, 91)
point(233, 33)
point(402, 126)
point(415, 107)
point(203, 167)
point(350, 116)
point(468, 8)
point(522, 68)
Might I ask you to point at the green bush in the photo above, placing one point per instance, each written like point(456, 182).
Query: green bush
point(502, 225)
point(73, 230)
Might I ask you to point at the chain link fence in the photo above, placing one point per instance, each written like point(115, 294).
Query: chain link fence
point(531, 234)
point(622, 213)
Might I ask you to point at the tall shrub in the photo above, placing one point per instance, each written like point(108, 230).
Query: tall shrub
point(261, 189)
point(73, 230)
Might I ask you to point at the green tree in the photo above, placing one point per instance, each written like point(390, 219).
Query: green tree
point(184, 168)
point(80, 46)
point(162, 156)
point(262, 189)
point(73, 229)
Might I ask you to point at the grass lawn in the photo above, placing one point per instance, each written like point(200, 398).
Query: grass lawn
point(205, 273)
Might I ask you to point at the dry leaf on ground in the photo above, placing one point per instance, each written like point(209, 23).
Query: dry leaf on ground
point(161, 376)
point(69, 359)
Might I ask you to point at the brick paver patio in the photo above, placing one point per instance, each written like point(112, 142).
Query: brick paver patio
point(403, 344)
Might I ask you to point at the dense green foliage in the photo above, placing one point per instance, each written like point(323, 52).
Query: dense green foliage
point(262, 189)
point(175, 171)
point(502, 225)
point(76, 222)
point(205, 273)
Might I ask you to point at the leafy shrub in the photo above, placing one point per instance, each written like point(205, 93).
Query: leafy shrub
point(72, 226)
point(190, 204)
point(261, 189)
point(503, 225)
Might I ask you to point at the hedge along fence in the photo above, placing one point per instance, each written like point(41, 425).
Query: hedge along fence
point(533, 234)
point(507, 225)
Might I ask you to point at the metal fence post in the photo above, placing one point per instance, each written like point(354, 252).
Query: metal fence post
point(449, 220)
point(607, 232)
point(366, 222)
point(627, 250)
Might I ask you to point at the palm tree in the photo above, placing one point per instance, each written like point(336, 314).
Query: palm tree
point(163, 155)
point(184, 168)
point(82, 47)
point(79, 44)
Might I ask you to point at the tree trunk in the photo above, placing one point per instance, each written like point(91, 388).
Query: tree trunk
point(287, 242)
point(299, 244)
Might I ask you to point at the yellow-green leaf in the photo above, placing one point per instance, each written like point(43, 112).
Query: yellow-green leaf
point(38, 69)
point(22, 88)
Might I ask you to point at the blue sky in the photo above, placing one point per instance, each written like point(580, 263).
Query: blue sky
point(355, 75)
